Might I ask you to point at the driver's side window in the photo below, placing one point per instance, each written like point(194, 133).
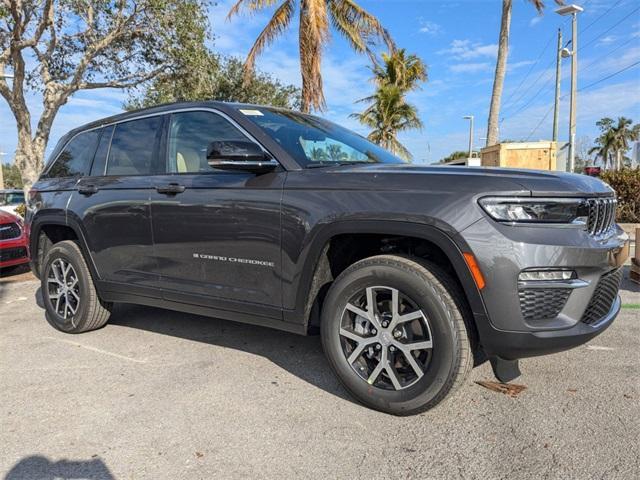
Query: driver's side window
point(190, 134)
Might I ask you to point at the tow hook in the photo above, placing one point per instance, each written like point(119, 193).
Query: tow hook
point(505, 370)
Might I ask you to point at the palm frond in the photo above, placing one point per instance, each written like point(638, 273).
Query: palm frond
point(369, 27)
point(277, 25)
point(251, 5)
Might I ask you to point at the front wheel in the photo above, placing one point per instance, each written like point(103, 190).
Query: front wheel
point(70, 298)
point(393, 331)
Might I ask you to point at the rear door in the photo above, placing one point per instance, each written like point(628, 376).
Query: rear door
point(216, 233)
point(113, 203)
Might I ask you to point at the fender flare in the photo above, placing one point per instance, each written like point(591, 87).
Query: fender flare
point(59, 217)
point(453, 246)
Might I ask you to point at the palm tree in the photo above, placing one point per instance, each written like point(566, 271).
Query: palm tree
point(623, 133)
point(389, 115)
point(335, 153)
point(615, 139)
point(398, 68)
point(501, 67)
point(318, 154)
point(360, 28)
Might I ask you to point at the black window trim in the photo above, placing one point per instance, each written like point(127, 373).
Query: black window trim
point(165, 127)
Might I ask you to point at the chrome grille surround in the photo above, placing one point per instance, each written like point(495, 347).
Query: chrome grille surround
point(602, 214)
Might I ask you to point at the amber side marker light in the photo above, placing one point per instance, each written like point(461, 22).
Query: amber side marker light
point(475, 270)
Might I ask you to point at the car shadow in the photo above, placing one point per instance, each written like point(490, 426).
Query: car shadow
point(299, 355)
point(38, 467)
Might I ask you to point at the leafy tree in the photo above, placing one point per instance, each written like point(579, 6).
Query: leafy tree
point(360, 28)
point(11, 175)
point(211, 77)
point(54, 48)
point(501, 66)
point(319, 154)
point(389, 113)
point(454, 156)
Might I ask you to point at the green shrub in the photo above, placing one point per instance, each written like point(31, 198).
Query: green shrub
point(626, 183)
point(21, 210)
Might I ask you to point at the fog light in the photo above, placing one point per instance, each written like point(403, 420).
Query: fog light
point(546, 275)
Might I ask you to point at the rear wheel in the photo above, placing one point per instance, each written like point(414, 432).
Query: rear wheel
point(70, 298)
point(394, 333)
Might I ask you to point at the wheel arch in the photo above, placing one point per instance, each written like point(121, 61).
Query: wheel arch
point(315, 269)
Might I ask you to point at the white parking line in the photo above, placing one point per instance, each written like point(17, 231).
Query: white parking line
point(98, 350)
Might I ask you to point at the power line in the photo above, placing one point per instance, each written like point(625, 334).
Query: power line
point(540, 90)
point(609, 76)
point(594, 61)
point(608, 29)
point(594, 22)
point(524, 94)
point(539, 123)
point(628, 67)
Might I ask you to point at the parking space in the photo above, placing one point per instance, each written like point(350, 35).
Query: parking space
point(158, 394)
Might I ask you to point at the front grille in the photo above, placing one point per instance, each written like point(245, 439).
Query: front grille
point(9, 231)
point(542, 303)
point(8, 254)
point(603, 297)
point(602, 214)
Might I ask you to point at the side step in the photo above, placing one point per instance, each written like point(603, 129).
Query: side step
point(505, 370)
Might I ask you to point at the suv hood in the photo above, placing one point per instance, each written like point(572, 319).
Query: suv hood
point(536, 182)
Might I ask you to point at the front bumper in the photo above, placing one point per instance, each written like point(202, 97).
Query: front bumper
point(527, 322)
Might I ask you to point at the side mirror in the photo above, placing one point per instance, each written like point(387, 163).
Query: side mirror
point(239, 155)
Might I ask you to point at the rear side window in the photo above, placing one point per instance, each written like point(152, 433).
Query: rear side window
point(134, 147)
point(75, 159)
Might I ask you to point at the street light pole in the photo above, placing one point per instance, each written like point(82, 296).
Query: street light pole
point(556, 107)
point(572, 10)
point(470, 117)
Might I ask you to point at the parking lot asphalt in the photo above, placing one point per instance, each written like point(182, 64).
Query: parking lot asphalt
point(165, 395)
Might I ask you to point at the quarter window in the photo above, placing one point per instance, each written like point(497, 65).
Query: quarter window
point(134, 147)
point(190, 134)
point(76, 157)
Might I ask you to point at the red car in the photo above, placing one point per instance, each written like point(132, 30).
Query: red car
point(13, 241)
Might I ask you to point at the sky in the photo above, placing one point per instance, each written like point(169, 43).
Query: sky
point(458, 42)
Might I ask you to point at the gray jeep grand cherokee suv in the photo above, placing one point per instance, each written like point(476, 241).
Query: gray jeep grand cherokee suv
point(410, 273)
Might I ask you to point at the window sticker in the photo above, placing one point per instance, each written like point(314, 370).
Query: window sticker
point(251, 113)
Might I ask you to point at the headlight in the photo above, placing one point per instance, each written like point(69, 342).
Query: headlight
point(537, 210)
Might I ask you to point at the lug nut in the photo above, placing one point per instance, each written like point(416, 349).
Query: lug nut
point(385, 324)
point(374, 331)
point(397, 334)
point(378, 346)
point(392, 348)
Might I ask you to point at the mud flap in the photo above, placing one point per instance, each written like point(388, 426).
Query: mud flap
point(505, 370)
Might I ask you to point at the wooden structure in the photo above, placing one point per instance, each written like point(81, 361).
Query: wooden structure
point(535, 155)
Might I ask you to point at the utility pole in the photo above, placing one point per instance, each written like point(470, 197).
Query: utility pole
point(470, 117)
point(556, 106)
point(572, 10)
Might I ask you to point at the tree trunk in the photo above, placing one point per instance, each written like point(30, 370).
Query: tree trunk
point(501, 67)
point(29, 157)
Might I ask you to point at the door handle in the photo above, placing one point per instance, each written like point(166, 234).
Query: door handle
point(87, 189)
point(170, 189)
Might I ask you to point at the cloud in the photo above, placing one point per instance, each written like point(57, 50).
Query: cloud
point(428, 27)
point(607, 40)
point(516, 65)
point(467, 50)
point(535, 20)
point(471, 67)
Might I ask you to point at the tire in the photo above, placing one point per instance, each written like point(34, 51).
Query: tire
point(430, 326)
point(78, 308)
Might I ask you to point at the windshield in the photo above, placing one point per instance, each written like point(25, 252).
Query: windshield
point(11, 198)
point(312, 141)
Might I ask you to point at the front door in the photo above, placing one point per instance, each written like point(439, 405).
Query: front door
point(216, 233)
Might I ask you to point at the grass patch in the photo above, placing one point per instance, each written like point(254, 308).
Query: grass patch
point(631, 305)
